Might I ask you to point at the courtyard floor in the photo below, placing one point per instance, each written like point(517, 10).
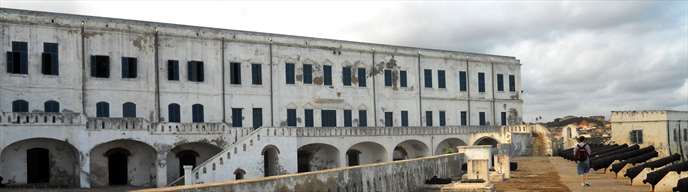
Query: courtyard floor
point(555, 174)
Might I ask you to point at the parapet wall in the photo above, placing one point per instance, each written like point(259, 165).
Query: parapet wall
point(406, 175)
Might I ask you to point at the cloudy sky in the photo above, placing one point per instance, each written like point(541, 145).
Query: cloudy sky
point(579, 57)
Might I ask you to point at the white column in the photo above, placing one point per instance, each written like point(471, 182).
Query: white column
point(188, 176)
point(84, 171)
point(161, 166)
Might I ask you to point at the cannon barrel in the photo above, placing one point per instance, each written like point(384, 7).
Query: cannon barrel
point(634, 171)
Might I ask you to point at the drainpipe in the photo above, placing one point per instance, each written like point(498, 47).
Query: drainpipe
point(222, 62)
point(272, 111)
point(668, 131)
point(83, 71)
point(420, 96)
point(468, 93)
point(157, 77)
point(494, 109)
point(374, 94)
point(680, 143)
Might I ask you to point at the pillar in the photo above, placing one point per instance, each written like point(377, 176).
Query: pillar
point(503, 160)
point(188, 175)
point(84, 171)
point(161, 169)
point(477, 157)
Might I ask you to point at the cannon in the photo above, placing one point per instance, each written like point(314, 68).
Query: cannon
point(656, 176)
point(634, 171)
point(604, 162)
point(682, 185)
point(616, 167)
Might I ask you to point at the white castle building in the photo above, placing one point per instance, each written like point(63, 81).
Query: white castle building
point(91, 101)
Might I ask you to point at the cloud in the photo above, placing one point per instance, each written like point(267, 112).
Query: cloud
point(579, 57)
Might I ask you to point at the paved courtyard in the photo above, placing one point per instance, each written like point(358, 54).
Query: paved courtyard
point(554, 174)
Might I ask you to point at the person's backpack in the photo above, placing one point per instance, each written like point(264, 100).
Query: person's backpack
point(581, 153)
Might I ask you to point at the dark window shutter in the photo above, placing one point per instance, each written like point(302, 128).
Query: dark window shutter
point(402, 79)
point(133, 68)
point(346, 76)
point(54, 64)
point(45, 63)
point(200, 72)
point(125, 67)
point(361, 77)
point(10, 62)
point(24, 64)
point(192, 71)
point(94, 66)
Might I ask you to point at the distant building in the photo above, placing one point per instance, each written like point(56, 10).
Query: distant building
point(666, 130)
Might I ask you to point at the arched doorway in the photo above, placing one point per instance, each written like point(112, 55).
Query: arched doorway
point(448, 146)
point(123, 162)
point(399, 154)
point(38, 165)
point(270, 161)
point(193, 153)
point(317, 156)
point(40, 161)
point(410, 149)
point(239, 174)
point(486, 141)
point(118, 164)
point(186, 157)
point(365, 153)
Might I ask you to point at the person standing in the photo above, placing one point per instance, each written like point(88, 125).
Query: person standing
point(582, 155)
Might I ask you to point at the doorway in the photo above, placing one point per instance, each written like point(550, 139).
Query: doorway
point(37, 165)
point(118, 166)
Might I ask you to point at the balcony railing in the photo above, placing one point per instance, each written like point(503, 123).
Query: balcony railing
point(40, 118)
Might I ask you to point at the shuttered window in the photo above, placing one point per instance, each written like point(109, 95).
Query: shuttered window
point(50, 62)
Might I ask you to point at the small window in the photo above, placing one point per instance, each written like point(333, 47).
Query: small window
point(50, 64)
point(388, 78)
point(235, 73)
point(289, 70)
point(128, 67)
point(129, 109)
point(443, 121)
point(676, 135)
point(328, 118)
point(685, 135)
point(389, 119)
point(636, 136)
point(481, 116)
point(17, 59)
point(51, 106)
point(173, 113)
point(361, 77)
point(195, 72)
point(428, 78)
point(102, 109)
point(346, 76)
point(481, 82)
point(291, 117)
point(500, 82)
point(256, 74)
point(20, 106)
point(402, 79)
point(348, 119)
point(512, 83)
point(441, 82)
point(173, 70)
point(197, 113)
point(327, 74)
point(404, 118)
point(307, 74)
point(362, 118)
point(503, 118)
point(462, 81)
point(100, 66)
point(257, 117)
point(464, 118)
point(308, 117)
point(428, 118)
point(237, 117)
